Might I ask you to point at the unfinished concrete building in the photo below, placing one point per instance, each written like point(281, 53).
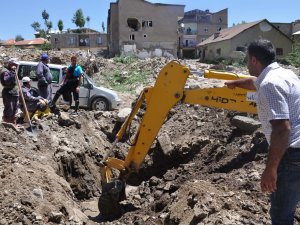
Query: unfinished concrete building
point(86, 39)
point(143, 28)
point(197, 26)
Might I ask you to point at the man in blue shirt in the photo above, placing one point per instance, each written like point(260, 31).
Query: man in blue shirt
point(71, 84)
point(278, 102)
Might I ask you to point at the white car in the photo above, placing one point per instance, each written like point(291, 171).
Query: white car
point(90, 95)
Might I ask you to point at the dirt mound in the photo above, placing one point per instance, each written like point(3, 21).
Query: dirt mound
point(200, 169)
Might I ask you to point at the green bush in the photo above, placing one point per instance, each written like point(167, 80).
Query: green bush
point(45, 47)
point(293, 58)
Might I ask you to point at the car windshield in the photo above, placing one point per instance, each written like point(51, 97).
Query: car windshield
point(89, 79)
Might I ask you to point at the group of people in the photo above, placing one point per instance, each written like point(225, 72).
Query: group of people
point(278, 103)
point(42, 101)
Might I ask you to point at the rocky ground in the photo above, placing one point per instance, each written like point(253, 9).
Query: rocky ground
point(203, 167)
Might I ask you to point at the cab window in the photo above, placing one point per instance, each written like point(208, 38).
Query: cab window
point(30, 71)
point(27, 71)
point(55, 75)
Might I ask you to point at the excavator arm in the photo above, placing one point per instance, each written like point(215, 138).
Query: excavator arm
point(169, 90)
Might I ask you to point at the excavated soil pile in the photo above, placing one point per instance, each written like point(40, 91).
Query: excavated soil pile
point(200, 170)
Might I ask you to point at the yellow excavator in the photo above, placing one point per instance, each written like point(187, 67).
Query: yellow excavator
point(169, 89)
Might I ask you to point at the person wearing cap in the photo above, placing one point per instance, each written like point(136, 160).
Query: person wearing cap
point(44, 77)
point(33, 101)
point(10, 92)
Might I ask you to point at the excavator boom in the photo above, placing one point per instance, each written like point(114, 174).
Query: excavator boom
point(169, 90)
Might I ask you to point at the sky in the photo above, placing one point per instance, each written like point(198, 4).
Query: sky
point(17, 16)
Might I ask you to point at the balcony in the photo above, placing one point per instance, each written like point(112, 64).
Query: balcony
point(188, 45)
point(190, 32)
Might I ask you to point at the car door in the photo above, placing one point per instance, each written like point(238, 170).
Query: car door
point(84, 92)
point(55, 79)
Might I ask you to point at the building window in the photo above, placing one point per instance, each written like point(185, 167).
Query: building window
point(147, 23)
point(220, 20)
point(56, 39)
point(99, 40)
point(71, 40)
point(133, 24)
point(189, 30)
point(241, 48)
point(205, 29)
point(131, 37)
point(218, 51)
point(279, 51)
point(84, 40)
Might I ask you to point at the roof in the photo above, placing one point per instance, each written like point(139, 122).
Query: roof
point(30, 63)
point(230, 32)
point(9, 42)
point(84, 30)
point(36, 41)
point(161, 4)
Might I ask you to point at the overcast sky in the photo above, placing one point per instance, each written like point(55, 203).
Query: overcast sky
point(16, 16)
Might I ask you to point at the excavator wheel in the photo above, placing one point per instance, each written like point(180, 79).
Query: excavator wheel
point(109, 201)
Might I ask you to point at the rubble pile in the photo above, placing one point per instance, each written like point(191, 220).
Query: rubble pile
point(204, 166)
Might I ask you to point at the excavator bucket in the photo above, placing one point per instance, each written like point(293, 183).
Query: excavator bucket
point(109, 202)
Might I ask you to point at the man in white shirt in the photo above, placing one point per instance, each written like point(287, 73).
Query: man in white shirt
point(278, 102)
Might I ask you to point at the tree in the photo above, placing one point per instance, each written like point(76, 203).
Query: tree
point(45, 15)
point(19, 38)
point(49, 26)
point(78, 18)
point(88, 19)
point(43, 33)
point(103, 27)
point(36, 26)
point(235, 24)
point(60, 25)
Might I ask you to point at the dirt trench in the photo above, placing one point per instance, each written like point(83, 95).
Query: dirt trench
point(199, 170)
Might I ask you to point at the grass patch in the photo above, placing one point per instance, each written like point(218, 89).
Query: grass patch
point(127, 82)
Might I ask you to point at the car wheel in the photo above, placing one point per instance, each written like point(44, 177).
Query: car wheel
point(100, 104)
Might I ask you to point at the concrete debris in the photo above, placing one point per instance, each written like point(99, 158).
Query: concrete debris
point(246, 124)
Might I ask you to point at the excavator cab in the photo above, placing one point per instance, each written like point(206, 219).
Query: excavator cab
point(168, 90)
